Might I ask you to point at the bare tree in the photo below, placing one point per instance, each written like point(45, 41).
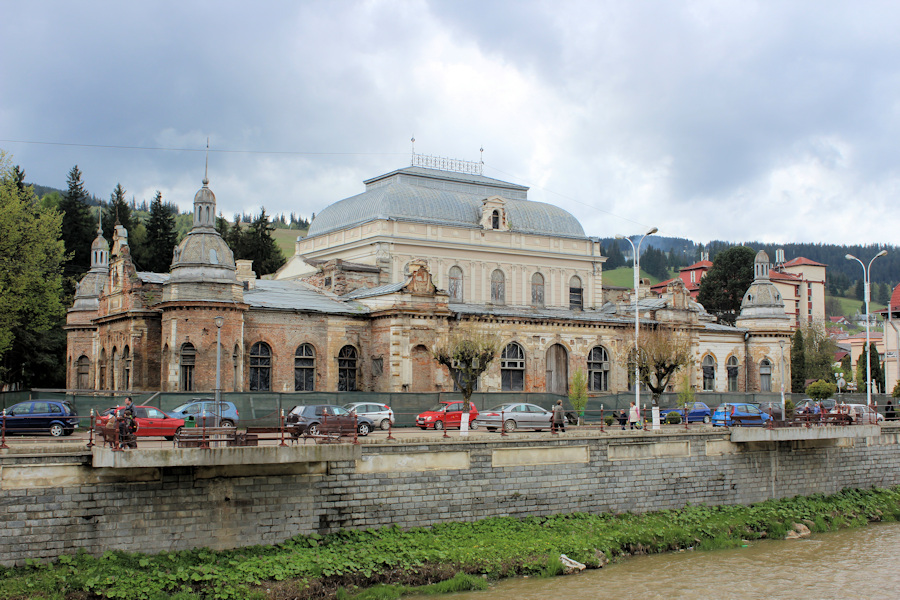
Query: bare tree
point(467, 352)
point(661, 352)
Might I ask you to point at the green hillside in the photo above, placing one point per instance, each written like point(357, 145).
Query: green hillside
point(285, 238)
point(624, 277)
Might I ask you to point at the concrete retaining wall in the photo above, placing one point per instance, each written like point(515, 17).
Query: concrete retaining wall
point(50, 505)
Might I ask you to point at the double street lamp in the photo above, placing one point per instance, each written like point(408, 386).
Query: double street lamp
point(636, 252)
point(867, 270)
point(219, 322)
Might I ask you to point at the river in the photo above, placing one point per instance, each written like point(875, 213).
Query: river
point(859, 563)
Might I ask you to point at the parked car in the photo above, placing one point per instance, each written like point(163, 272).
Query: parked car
point(381, 414)
point(807, 405)
point(515, 415)
point(859, 414)
point(317, 419)
point(56, 417)
point(697, 412)
point(447, 414)
point(151, 421)
point(226, 413)
point(772, 408)
point(739, 413)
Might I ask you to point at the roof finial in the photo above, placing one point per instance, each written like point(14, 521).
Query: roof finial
point(206, 170)
point(412, 161)
point(100, 222)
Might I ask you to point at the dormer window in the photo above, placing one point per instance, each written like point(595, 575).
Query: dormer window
point(495, 219)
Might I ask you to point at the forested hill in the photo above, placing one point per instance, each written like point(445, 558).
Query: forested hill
point(682, 252)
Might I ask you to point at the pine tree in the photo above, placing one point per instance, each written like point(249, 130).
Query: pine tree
point(78, 229)
point(722, 288)
point(875, 368)
point(798, 364)
point(614, 256)
point(859, 290)
point(161, 236)
point(118, 211)
point(260, 247)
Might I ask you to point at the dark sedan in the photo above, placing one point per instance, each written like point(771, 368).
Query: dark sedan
point(327, 419)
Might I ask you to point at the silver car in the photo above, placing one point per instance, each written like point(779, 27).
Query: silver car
point(381, 414)
point(515, 415)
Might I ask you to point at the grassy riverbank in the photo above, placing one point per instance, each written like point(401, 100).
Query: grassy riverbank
point(448, 557)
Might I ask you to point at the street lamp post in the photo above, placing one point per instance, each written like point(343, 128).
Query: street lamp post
point(219, 322)
point(636, 253)
point(867, 270)
point(783, 403)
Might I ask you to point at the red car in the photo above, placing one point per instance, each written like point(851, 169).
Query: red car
point(151, 421)
point(447, 414)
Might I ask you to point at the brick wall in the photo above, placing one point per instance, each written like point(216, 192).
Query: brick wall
point(153, 510)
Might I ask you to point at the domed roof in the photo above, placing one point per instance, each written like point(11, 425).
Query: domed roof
point(100, 243)
point(762, 298)
point(203, 248)
point(430, 196)
point(204, 194)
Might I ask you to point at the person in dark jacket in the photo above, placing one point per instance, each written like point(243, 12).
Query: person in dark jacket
point(559, 417)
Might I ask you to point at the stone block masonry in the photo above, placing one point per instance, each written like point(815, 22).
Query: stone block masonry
point(52, 505)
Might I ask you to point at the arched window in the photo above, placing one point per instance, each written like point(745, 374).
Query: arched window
point(576, 300)
point(498, 287)
point(537, 290)
point(305, 368)
point(455, 289)
point(260, 367)
point(188, 360)
point(709, 373)
point(236, 367)
point(348, 369)
point(126, 368)
point(101, 383)
point(765, 375)
point(598, 369)
point(83, 373)
point(495, 219)
point(114, 369)
point(732, 367)
point(512, 368)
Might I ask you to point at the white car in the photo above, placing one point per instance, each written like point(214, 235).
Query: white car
point(860, 414)
point(381, 414)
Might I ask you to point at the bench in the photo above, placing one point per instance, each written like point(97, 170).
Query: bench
point(198, 437)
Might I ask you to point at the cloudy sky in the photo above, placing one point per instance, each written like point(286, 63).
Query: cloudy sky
point(773, 121)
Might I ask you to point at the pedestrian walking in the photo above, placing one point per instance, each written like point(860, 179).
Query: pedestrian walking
point(623, 419)
point(559, 417)
point(633, 415)
point(889, 413)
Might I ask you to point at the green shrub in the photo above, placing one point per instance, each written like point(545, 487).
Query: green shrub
point(609, 420)
point(673, 418)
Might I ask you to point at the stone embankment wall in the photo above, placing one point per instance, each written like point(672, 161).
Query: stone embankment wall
point(52, 505)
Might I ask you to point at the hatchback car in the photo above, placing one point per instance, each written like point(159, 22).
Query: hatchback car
point(698, 412)
point(56, 417)
point(151, 421)
point(317, 419)
point(447, 414)
point(381, 414)
point(739, 413)
point(858, 414)
point(515, 415)
point(198, 408)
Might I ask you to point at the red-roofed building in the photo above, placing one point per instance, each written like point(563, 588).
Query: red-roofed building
point(891, 316)
point(691, 277)
point(801, 282)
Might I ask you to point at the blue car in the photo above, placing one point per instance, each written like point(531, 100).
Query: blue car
point(56, 417)
point(698, 412)
point(195, 410)
point(734, 414)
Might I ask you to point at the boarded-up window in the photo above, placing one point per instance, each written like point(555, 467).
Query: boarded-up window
point(537, 290)
point(512, 368)
point(455, 289)
point(576, 301)
point(188, 360)
point(598, 369)
point(498, 287)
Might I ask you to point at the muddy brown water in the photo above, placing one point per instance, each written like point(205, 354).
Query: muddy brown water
point(853, 564)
